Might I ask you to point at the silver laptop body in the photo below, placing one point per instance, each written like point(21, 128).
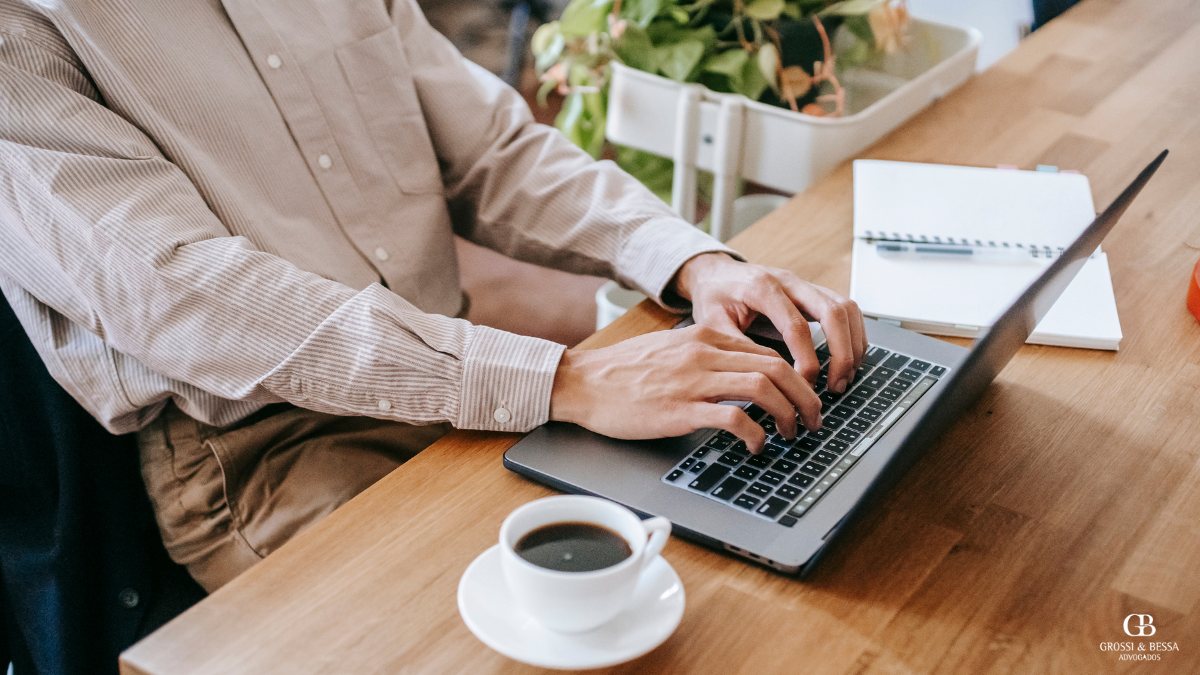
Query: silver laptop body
point(856, 466)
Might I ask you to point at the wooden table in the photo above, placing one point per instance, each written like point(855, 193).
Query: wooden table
point(1067, 498)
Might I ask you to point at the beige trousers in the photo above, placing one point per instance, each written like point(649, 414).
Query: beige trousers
point(225, 498)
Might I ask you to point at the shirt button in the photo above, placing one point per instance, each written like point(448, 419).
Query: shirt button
point(324, 161)
point(128, 598)
point(385, 404)
point(381, 253)
point(274, 61)
point(502, 415)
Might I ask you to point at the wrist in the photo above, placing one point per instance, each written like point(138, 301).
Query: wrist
point(695, 270)
point(566, 399)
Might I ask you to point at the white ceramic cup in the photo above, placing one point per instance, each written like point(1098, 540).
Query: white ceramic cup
point(574, 602)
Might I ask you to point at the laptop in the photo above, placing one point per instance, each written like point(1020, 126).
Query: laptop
point(784, 507)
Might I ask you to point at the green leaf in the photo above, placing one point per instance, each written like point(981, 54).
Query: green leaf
point(636, 50)
point(861, 28)
point(641, 12)
point(677, 61)
point(546, 57)
point(728, 63)
point(794, 10)
point(680, 15)
point(543, 36)
point(764, 10)
point(853, 7)
point(753, 83)
point(656, 173)
point(582, 17)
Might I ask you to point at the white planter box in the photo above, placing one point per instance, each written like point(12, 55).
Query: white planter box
point(789, 151)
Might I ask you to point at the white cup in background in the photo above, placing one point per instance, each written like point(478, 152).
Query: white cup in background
point(574, 602)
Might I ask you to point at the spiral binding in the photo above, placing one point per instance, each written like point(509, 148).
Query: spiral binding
point(1035, 250)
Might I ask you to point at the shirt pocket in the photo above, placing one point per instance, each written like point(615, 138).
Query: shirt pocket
point(379, 75)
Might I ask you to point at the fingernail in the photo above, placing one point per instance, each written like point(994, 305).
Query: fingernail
point(840, 386)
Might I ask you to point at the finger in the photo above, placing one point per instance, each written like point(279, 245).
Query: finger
point(859, 328)
point(835, 323)
point(796, 391)
point(758, 388)
point(772, 300)
point(732, 419)
point(734, 341)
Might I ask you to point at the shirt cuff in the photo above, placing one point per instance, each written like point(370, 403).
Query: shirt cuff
point(652, 256)
point(506, 381)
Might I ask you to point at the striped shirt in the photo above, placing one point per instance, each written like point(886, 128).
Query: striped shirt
point(229, 203)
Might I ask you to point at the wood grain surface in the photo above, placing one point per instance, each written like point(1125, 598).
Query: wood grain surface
point(1065, 499)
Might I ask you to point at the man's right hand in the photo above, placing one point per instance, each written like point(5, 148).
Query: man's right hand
point(669, 383)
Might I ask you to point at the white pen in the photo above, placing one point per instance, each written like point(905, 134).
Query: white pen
point(932, 251)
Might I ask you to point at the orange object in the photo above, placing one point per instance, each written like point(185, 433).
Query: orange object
point(1193, 297)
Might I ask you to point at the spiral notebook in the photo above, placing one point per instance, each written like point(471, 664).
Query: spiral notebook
point(976, 207)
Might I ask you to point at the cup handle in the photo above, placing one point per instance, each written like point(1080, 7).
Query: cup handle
point(659, 530)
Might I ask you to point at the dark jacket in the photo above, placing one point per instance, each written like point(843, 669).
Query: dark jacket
point(83, 573)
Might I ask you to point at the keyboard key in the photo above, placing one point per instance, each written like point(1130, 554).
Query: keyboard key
point(773, 507)
point(880, 404)
point(825, 457)
point(855, 401)
point(728, 489)
point(788, 521)
point(698, 467)
point(700, 453)
point(756, 413)
point(863, 392)
point(909, 374)
point(937, 371)
point(726, 435)
point(848, 435)
point(895, 361)
point(875, 383)
point(812, 468)
point(759, 489)
point(830, 397)
point(759, 461)
point(788, 492)
point(891, 393)
point(900, 384)
point(746, 472)
point(730, 458)
point(858, 424)
point(719, 442)
point(884, 373)
point(823, 353)
point(687, 463)
point(842, 412)
point(674, 475)
point(740, 448)
point(807, 444)
point(919, 365)
point(832, 423)
point(862, 372)
point(771, 478)
point(776, 450)
point(779, 440)
point(709, 478)
point(768, 426)
point(875, 355)
point(746, 502)
point(820, 434)
point(784, 466)
point(801, 480)
point(837, 447)
point(796, 455)
point(869, 414)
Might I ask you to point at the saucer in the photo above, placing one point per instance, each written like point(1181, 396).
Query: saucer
point(490, 612)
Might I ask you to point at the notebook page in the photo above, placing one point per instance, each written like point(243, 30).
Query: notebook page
point(976, 204)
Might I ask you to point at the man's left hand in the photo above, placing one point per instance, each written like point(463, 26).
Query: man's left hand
point(727, 295)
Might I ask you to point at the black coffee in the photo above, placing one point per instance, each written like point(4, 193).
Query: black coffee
point(573, 547)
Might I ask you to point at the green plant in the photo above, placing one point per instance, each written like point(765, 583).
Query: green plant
point(775, 51)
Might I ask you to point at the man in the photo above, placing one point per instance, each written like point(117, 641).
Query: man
point(229, 226)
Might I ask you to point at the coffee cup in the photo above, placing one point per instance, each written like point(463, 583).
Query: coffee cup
point(589, 554)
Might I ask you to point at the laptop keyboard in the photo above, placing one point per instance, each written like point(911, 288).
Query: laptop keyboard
point(785, 481)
